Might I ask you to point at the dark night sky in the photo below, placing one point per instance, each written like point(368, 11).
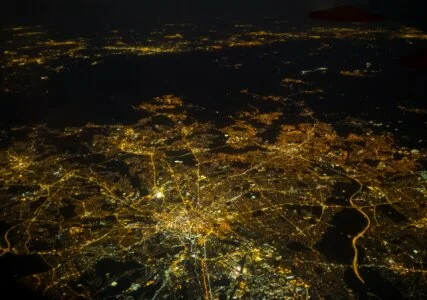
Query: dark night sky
point(117, 10)
point(87, 12)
